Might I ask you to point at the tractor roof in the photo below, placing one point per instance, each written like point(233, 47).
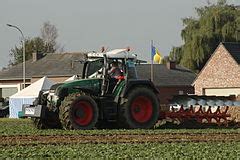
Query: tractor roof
point(116, 53)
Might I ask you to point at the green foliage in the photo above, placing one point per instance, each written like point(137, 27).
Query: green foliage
point(25, 127)
point(175, 54)
point(216, 150)
point(36, 45)
point(44, 44)
point(215, 23)
point(174, 150)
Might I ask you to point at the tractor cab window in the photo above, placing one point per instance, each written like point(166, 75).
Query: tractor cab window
point(94, 68)
point(131, 70)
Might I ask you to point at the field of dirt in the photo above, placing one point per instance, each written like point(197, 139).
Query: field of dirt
point(119, 138)
point(235, 113)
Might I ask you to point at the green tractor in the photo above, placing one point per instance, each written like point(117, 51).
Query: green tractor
point(98, 100)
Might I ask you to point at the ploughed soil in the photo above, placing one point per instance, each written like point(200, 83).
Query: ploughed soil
point(119, 138)
point(235, 113)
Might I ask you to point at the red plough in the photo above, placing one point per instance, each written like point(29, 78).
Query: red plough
point(198, 114)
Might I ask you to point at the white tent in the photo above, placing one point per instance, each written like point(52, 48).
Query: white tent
point(27, 95)
point(74, 77)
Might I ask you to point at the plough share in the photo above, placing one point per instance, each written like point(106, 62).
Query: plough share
point(202, 109)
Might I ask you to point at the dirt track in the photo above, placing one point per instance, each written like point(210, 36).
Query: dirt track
point(124, 138)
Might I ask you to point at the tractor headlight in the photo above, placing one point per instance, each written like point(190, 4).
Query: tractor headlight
point(52, 97)
point(55, 98)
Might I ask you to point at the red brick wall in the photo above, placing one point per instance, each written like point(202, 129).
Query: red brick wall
point(168, 92)
point(221, 71)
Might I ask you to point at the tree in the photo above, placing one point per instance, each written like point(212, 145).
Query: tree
point(31, 45)
point(44, 44)
point(49, 35)
point(215, 23)
point(175, 54)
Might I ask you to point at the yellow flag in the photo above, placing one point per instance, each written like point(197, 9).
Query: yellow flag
point(157, 57)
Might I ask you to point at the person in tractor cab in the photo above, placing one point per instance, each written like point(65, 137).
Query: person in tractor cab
point(115, 74)
point(115, 71)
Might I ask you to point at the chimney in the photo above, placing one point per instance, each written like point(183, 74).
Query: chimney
point(171, 65)
point(36, 56)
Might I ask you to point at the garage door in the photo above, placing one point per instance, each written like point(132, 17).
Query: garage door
point(222, 91)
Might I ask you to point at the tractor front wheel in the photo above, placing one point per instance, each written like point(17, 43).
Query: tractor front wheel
point(141, 109)
point(78, 112)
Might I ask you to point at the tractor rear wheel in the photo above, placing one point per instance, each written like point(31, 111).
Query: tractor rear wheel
point(78, 112)
point(141, 110)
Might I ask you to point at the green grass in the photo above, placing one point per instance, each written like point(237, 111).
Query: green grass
point(25, 127)
point(146, 150)
point(191, 150)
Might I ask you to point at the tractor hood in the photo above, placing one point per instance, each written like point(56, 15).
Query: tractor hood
point(92, 86)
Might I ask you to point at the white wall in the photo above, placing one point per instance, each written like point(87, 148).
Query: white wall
point(222, 91)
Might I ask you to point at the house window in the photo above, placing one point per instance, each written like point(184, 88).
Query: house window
point(7, 92)
point(26, 85)
point(180, 92)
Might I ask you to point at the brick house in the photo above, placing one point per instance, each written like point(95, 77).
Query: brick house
point(221, 74)
point(169, 79)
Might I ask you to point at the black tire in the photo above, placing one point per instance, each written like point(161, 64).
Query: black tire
point(141, 109)
point(39, 124)
point(78, 112)
point(51, 121)
point(4, 112)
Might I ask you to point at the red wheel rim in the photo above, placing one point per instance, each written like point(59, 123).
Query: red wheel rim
point(141, 109)
point(82, 113)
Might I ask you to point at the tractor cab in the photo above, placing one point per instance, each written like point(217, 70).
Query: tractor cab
point(100, 65)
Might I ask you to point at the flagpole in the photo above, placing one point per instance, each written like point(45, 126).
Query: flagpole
point(151, 61)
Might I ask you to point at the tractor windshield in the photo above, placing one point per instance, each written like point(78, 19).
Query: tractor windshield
point(94, 67)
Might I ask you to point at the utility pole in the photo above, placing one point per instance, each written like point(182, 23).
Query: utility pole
point(24, 57)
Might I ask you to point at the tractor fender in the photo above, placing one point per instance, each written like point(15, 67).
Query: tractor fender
point(64, 92)
point(133, 83)
point(86, 90)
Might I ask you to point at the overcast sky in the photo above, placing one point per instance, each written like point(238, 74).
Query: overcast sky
point(88, 25)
